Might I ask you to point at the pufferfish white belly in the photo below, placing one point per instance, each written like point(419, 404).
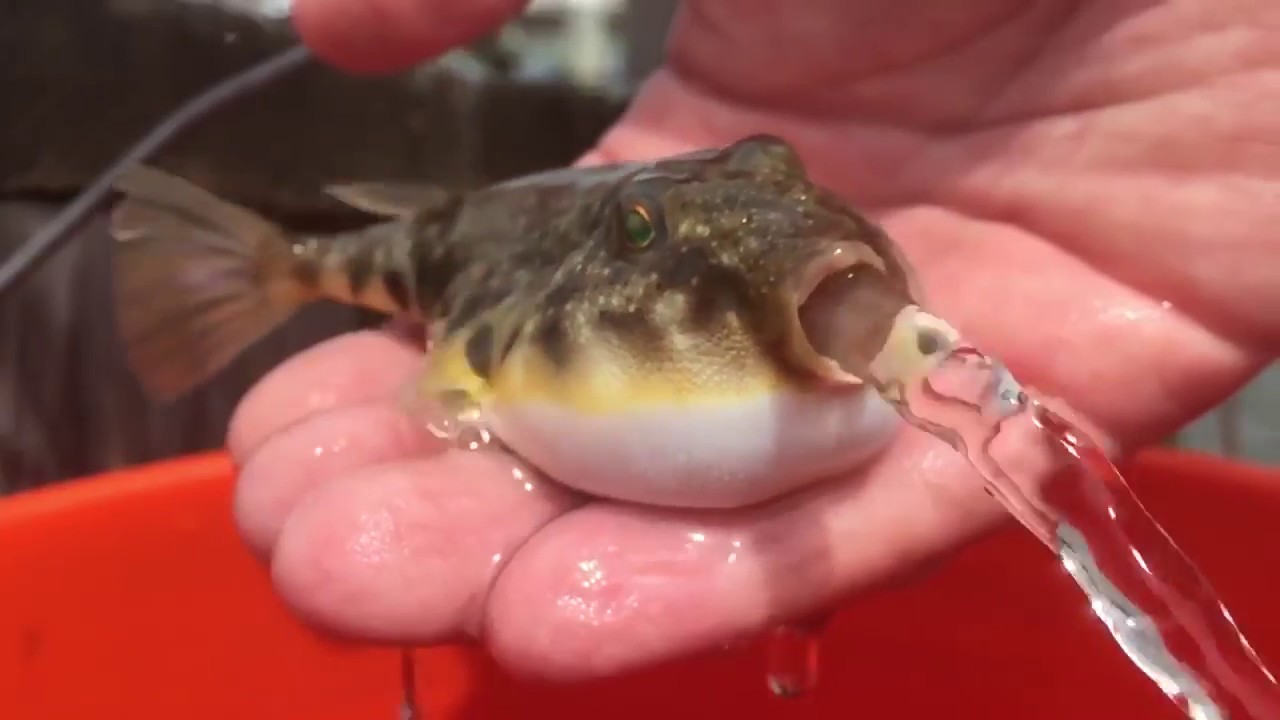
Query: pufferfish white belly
point(723, 453)
point(719, 426)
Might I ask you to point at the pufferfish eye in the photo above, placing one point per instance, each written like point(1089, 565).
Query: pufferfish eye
point(638, 226)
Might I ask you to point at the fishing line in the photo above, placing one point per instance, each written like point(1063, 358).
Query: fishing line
point(58, 231)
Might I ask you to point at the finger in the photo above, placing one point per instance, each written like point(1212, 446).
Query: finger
point(406, 551)
point(607, 588)
point(370, 36)
point(320, 448)
point(351, 369)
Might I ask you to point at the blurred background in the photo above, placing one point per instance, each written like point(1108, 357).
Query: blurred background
point(90, 76)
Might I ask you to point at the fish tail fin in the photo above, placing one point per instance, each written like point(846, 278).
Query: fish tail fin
point(197, 280)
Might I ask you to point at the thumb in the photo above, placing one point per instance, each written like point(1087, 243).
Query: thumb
point(376, 36)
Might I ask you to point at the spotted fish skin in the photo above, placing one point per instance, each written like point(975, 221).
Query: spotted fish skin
point(549, 294)
point(548, 316)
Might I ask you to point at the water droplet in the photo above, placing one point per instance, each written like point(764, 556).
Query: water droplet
point(332, 448)
point(473, 437)
point(525, 479)
point(452, 417)
point(793, 659)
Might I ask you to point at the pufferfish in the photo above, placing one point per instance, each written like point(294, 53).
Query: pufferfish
point(697, 331)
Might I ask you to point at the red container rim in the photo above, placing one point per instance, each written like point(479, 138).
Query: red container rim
point(129, 595)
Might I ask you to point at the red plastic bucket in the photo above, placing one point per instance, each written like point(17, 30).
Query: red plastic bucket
point(130, 596)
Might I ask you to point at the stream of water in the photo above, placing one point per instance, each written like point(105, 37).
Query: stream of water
point(1062, 487)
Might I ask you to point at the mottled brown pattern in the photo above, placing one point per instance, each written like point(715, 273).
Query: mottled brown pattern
point(685, 273)
point(360, 267)
point(397, 287)
point(547, 258)
point(479, 351)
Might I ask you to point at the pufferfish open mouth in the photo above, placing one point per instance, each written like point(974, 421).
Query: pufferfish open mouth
point(852, 323)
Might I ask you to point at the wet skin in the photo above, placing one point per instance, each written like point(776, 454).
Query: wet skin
point(1087, 190)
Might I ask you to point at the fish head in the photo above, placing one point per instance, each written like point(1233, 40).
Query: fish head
point(721, 254)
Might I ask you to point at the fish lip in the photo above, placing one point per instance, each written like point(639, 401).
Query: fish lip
point(844, 256)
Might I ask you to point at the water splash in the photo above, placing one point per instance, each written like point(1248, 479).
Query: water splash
point(1061, 486)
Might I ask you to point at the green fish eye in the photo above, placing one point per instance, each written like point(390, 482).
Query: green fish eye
point(639, 227)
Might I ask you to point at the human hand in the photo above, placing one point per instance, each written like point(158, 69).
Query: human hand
point(1089, 191)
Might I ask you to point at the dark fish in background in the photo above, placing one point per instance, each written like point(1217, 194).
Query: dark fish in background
point(93, 76)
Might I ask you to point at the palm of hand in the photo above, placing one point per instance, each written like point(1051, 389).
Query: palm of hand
point(1112, 167)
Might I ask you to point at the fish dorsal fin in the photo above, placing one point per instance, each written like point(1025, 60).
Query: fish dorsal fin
point(389, 199)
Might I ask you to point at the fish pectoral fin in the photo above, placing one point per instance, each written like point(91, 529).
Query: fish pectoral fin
point(447, 395)
point(197, 280)
point(389, 199)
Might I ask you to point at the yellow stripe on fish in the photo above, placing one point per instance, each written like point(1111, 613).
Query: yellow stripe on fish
point(604, 379)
